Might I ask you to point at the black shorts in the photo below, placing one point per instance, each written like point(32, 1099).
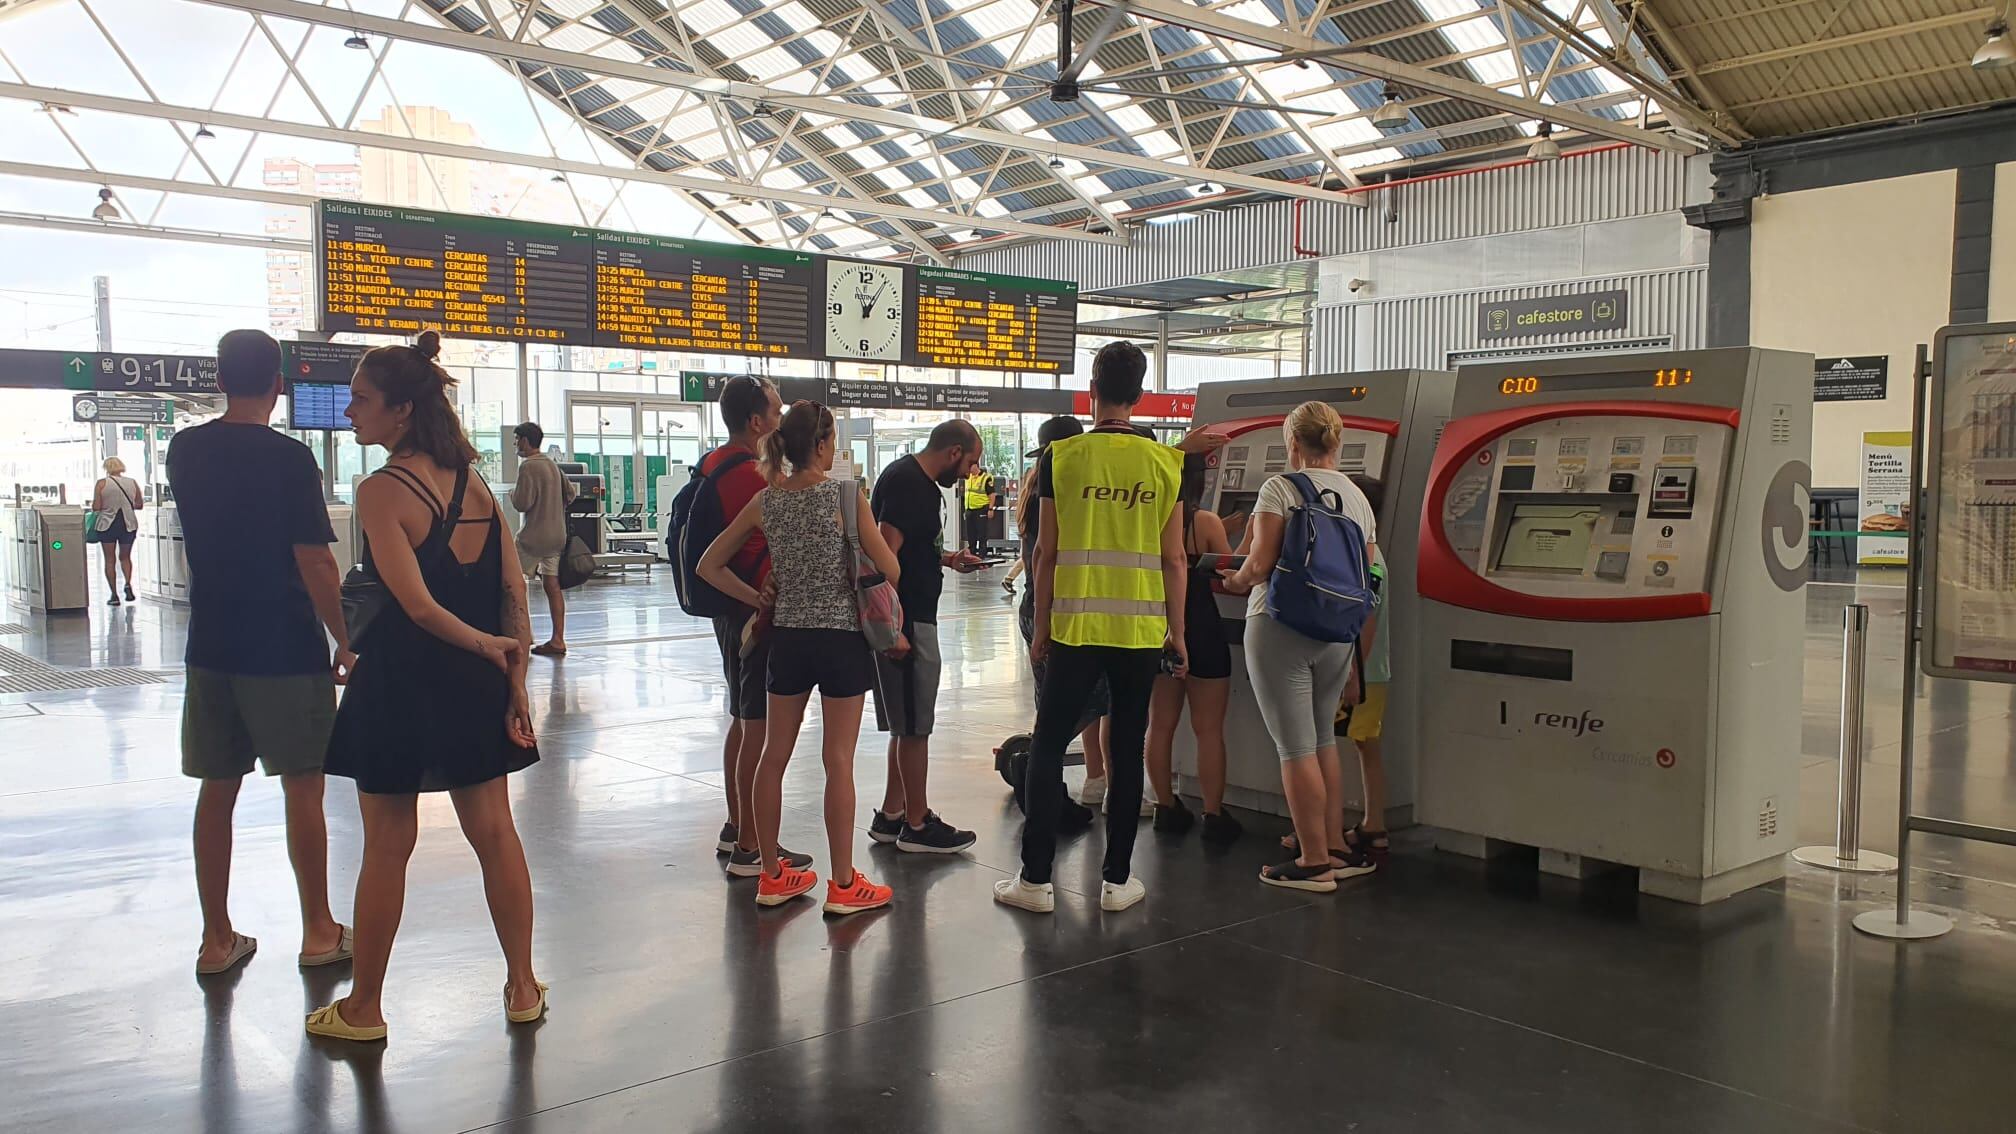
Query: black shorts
point(1204, 640)
point(745, 676)
point(118, 533)
point(838, 663)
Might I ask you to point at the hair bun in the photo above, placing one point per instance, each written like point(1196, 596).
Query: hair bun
point(429, 345)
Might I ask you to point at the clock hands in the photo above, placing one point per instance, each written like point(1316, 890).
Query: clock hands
point(872, 300)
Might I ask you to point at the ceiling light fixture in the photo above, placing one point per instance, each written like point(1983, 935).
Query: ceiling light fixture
point(825, 214)
point(764, 110)
point(1390, 115)
point(557, 179)
point(203, 132)
point(357, 42)
point(106, 210)
point(1544, 147)
point(1996, 52)
point(1056, 163)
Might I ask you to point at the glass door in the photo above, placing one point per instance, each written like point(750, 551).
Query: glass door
point(632, 441)
point(602, 434)
point(670, 436)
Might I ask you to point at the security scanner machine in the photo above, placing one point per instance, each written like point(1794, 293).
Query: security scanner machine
point(163, 561)
point(1612, 557)
point(1391, 420)
point(42, 565)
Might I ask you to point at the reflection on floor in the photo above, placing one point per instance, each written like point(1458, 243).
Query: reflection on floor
point(1434, 997)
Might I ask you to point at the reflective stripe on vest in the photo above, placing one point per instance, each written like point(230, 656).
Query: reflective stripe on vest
point(1114, 494)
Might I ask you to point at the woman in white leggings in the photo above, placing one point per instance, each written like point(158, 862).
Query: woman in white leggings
point(1298, 680)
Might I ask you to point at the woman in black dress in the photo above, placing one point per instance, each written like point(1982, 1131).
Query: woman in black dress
point(437, 700)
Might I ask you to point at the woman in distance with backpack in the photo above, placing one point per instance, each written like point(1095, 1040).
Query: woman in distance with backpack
point(1299, 680)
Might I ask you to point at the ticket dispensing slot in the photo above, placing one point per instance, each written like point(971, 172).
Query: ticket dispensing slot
point(1672, 492)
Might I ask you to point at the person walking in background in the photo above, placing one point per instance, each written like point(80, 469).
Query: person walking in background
point(979, 508)
point(1298, 680)
point(909, 508)
point(733, 474)
point(117, 500)
point(816, 643)
point(1207, 688)
point(541, 496)
point(437, 702)
point(260, 684)
point(1109, 579)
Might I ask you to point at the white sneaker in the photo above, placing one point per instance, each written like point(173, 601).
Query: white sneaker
point(1113, 898)
point(1026, 895)
point(1093, 794)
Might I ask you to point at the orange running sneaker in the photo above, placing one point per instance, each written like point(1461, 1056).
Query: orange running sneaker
point(786, 884)
point(856, 896)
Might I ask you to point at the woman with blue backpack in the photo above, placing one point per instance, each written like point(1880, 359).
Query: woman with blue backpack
point(1308, 573)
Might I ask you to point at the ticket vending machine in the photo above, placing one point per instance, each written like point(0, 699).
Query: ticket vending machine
point(1612, 559)
point(1391, 420)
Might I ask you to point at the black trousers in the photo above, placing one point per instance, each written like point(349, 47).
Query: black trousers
point(1073, 673)
point(976, 529)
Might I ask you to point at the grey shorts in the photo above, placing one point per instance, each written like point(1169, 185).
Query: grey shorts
point(906, 692)
point(229, 719)
point(1298, 683)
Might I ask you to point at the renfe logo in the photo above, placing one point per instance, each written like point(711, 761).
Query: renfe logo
point(1126, 497)
point(1580, 726)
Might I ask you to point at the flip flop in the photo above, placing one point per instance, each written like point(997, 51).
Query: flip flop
point(241, 948)
point(327, 1022)
point(340, 953)
point(547, 650)
point(525, 1015)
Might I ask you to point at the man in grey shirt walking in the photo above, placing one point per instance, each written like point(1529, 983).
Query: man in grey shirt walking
point(541, 497)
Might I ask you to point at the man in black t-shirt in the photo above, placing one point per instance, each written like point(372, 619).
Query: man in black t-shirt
point(909, 502)
point(263, 585)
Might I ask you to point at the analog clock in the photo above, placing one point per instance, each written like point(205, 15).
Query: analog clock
point(865, 304)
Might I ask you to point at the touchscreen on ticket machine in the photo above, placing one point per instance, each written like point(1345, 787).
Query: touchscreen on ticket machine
point(1390, 421)
point(1611, 562)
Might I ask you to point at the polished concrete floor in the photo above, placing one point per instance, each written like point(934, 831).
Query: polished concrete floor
point(1436, 996)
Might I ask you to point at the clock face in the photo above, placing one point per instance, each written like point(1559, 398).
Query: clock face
point(865, 304)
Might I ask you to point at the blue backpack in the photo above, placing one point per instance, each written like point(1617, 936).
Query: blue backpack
point(1322, 586)
point(696, 520)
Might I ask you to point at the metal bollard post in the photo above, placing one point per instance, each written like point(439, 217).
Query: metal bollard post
point(1847, 854)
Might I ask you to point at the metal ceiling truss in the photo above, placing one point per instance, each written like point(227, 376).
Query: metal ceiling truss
point(932, 99)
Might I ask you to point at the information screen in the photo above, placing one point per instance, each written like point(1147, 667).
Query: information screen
point(1548, 537)
point(317, 405)
point(988, 322)
point(1522, 385)
point(659, 293)
point(402, 271)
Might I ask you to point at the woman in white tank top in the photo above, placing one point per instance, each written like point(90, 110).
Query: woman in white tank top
point(116, 499)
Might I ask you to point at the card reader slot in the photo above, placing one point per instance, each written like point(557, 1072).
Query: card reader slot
point(1508, 659)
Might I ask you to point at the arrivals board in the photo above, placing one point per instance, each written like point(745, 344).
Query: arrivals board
point(662, 293)
point(400, 271)
point(989, 322)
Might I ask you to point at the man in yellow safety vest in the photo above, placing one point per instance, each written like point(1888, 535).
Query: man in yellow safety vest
point(979, 508)
point(1109, 577)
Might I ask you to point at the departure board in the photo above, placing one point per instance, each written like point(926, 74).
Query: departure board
point(663, 293)
point(988, 322)
point(402, 271)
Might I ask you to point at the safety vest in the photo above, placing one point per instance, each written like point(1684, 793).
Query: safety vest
point(977, 494)
point(1114, 493)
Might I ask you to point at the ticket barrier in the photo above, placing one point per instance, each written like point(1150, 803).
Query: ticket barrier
point(1391, 420)
point(42, 558)
point(1611, 563)
point(162, 563)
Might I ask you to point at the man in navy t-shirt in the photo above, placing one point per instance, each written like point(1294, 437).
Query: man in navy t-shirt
point(263, 586)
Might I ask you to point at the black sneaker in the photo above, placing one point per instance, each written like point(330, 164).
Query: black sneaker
point(113, 601)
point(883, 829)
point(1173, 819)
point(1221, 827)
point(749, 863)
point(936, 836)
point(725, 842)
point(129, 595)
